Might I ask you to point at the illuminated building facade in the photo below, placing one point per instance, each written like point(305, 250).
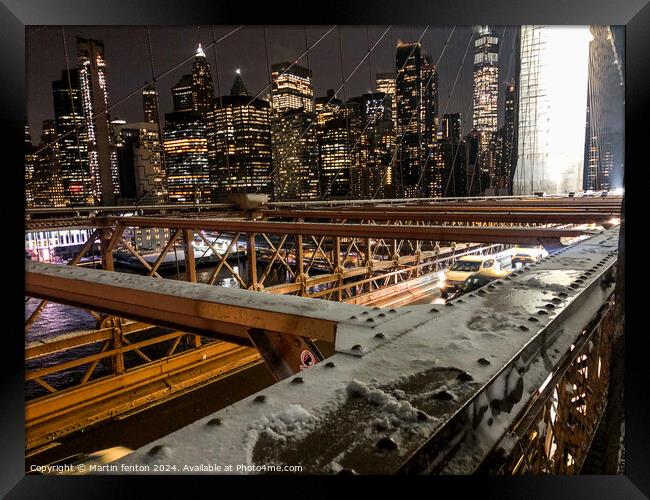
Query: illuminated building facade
point(186, 157)
point(386, 84)
point(102, 156)
point(291, 88)
point(376, 146)
point(552, 109)
point(30, 160)
point(327, 108)
point(46, 182)
point(485, 95)
point(429, 105)
point(150, 104)
point(71, 150)
point(295, 156)
point(408, 92)
point(240, 146)
point(182, 94)
point(202, 88)
point(506, 144)
point(335, 159)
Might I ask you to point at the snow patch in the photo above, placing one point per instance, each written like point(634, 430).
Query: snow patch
point(292, 423)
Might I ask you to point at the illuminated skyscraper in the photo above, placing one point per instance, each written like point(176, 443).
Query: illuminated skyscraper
point(486, 91)
point(376, 146)
point(386, 84)
point(552, 109)
point(186, 157)
point(202, 88)
point(506, 144)
point(47, 186)
point(102, 156)
point(182, 94)
point(429, 105)
point(335, 160)
point(450, 128)
point(71, 150)
point(327, 107)
point(240, 146)
point(30, 160)
point(295, 156)
point(150, 104)
point(292, 88)
point(408, 92)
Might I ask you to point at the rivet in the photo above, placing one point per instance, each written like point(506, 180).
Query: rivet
point(329, 364)
point(380, 335)
point(386, 444)
point(483, 361)
point(460, 301)
point(464, 377)
point(542, 312)
point(443, 396)
point(449, 304)
point(298, 380)
point(365, 312)
point(482, 292)
point(353, 317)
point(370, 320)
point(433, 310)
point(260, 399)
point(549, 306)
point(357, 347)
point(214, 421)
point(524, 328)
point(381, 315)
point(491, 286)
point(155, 450)
point(562, 294)
point(533, 319)
point(392, 310)
point(422, 417)
point(556, 300)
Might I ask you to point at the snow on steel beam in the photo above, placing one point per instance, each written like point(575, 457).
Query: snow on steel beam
point(433, 391)
point(221, 312)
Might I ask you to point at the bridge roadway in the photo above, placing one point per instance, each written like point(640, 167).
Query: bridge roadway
point(373, 406)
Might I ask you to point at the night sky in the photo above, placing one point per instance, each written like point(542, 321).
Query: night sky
point(129, 64)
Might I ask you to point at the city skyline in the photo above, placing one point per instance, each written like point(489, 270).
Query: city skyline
point(213, 143)
point(128, 62)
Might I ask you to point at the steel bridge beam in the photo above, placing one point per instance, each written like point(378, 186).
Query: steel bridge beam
point(459, 234)
point(510, 216)
point(218, 312)
point(423, 389)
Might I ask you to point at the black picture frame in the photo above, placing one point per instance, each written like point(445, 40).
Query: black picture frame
point(16, 14)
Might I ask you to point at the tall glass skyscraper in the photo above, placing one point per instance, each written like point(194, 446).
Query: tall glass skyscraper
point(292, 88)
point(71, 150)
point(552, 109)
point(240, 143)
point(486, 92)
point(295, 156)
point(408, 93)
point(185, 147)
point(102, 156)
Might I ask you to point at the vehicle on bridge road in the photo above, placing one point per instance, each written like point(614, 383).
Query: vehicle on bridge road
point(464, 268)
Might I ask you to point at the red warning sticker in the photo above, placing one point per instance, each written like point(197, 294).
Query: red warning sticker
point(307, 359)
